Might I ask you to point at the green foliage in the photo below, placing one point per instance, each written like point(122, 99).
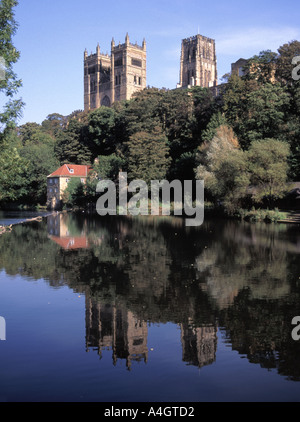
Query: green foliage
point(261, 67)
point(71, 145)
point(147, 156)
point(101, 124)
point(233, 176)
point(215, 122)
point(74, 194)
point(223, 167)
point(266, 112)
point(54, 123)
point(255, 111)
point(284, 66)
point(12, 183)
point(108, 166)
point(268, 166)
point(266, 215)
point(40, 162)
point(10, 84)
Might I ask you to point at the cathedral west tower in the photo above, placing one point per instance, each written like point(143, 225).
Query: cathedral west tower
point(114, 77)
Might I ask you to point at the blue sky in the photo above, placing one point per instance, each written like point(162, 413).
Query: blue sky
point(53, 34)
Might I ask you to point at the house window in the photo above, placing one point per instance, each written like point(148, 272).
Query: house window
point(67, 180)
point(72, 171)
point(82, 180)
point(140, 81)
point(50, 181)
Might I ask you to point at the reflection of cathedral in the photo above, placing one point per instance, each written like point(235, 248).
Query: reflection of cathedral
point(109, 327)
point(199, 344)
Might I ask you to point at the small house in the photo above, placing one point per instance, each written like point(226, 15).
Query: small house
point(58, 181)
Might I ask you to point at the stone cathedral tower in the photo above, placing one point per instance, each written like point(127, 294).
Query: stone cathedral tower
point(114, 77)
point(198, 62)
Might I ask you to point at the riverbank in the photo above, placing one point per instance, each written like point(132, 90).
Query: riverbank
point(292, 217)
point(11, 218)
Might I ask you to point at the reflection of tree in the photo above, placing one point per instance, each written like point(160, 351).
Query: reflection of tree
point(261, 329)
point(245, 256)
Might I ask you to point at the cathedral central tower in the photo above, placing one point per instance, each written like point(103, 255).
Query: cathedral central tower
point(198, 62)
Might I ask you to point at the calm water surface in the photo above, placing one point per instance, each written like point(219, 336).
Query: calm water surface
point(148, 310)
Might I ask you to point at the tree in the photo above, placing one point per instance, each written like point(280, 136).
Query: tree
point(284, 65)
point(218, 119)
point(267, 108)
point(101, 125)
point(255, 111)
point(54, 124)
point(268, 166)
point(262, 67)
point(108, 166)
point(13, 167)
point(147, 156)
point(9, 84)
point(205, 106)
point(74, 194)
point(71, 146)
point(223, 167)
point(40, 162)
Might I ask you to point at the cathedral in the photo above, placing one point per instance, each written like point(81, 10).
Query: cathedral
point(116, 77)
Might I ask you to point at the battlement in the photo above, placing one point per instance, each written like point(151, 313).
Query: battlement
point(124, 45)
point(196, 37)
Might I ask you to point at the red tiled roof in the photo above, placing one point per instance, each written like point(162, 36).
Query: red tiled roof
point(71, 242)
point(78, 170)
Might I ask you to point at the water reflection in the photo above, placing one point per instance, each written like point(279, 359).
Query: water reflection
point(109, 327)
point(240, 278)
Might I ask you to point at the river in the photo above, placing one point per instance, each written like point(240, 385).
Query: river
point(145, 309)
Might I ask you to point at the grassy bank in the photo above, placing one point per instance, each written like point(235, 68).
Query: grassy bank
point(255, 215)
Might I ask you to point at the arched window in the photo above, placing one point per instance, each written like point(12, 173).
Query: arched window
point(105, 101)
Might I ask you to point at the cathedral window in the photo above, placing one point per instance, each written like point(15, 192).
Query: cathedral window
point(136, 62)
point(118, 79)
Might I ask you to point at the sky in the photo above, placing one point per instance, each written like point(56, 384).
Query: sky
point(53, 34)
